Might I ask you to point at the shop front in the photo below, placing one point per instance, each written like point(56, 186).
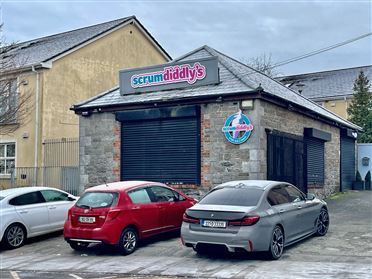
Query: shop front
point(205, 119)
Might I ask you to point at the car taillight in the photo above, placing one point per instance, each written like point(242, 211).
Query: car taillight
point(189, 219)
point(69, 215)
point(246, 221)
point(112, 214)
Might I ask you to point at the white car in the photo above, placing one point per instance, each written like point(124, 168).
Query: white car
point(31, 211)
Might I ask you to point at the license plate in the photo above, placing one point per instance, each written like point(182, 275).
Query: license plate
point(83, 219)
point(214, 224)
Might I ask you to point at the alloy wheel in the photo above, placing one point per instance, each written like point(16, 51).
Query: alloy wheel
point(277, 243)
point(128, 241)
point(322, 223)
point(15, 236)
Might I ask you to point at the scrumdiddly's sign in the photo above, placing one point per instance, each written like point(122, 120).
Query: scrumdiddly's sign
point(170, 76)
point(237, 128)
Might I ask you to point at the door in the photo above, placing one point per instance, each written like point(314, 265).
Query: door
point(305, 215)
point(33, 212)
point(57, 204)
point(279, 199)
point(170, 208)
point(144, 212)
point(285, 159)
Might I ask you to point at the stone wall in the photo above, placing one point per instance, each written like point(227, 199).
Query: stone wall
point(275, 117)
point(221, 160)
point(99, 150)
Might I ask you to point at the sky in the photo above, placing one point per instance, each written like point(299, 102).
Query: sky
point(241, 29)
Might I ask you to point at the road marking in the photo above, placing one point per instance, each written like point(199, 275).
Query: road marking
point(75, 276)
point(14, 275)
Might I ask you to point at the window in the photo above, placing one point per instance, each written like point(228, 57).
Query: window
point(278, 195)
point(139, 196)
point(26, 199)
point(97, 200)
point(7, 157)
point(8, 100)
point(233, 196)
point(52, 196)
point(163, 194)
point(294, 194)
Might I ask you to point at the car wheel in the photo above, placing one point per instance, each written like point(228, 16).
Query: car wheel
point(79, 246)
point(128, 241)
point(276, 244)
point(322, 223)
point(14, 236)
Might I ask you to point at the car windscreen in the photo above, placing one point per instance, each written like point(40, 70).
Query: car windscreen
point(236, 196)
point(97, 200)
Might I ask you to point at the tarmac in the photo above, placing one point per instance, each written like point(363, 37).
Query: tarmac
point(345, 252)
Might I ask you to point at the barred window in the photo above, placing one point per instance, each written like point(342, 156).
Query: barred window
point(7, 157)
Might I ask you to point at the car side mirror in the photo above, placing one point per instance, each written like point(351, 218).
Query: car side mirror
point(310, 196)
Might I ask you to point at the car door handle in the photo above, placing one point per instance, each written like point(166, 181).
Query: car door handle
point(23, 211)
point(281, 210)
point(299, 206)
point(52, 207)
point(136, 207)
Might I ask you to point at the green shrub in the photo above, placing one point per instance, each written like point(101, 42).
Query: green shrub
point(358, 177)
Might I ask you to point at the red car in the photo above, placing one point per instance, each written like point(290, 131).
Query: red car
point(122, 213)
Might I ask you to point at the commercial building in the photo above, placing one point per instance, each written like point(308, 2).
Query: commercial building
point(204, 119)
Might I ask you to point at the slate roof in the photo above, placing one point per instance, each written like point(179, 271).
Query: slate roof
point(235, 77)
point(43, 49)
point(326, 85)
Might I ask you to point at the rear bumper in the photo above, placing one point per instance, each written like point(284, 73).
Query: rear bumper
point(108, 234)
point(247, 237)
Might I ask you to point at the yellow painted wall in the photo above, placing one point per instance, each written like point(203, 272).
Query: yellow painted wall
point(339, 107)
point(82, 74)
point(89, 71)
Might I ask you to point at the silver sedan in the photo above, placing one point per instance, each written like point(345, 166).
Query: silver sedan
point(254, 215)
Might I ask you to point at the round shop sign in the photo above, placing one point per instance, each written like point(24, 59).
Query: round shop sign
point(237, 128)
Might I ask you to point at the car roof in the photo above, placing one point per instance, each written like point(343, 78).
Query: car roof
point(251, 183)
point(121, 186)
point(23, 190)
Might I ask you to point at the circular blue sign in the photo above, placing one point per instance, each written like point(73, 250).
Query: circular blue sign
point(237, 128)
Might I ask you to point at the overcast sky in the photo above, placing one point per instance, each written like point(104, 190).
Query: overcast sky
point(241, 29)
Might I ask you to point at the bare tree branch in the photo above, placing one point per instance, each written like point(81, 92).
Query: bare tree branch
point(16, 105)
point(263, 64)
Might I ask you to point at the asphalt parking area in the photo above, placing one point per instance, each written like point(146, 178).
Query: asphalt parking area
point(345, 252)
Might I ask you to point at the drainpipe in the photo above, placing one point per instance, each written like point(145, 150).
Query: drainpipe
point(36, 155)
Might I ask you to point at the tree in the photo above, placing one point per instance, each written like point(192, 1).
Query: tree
point(360, 109)
point(263, 64)
point(15, 106)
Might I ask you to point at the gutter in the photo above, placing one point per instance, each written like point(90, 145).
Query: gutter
point(37, 125)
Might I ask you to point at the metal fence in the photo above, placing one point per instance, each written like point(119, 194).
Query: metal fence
point(61, 152)
point(63, 177)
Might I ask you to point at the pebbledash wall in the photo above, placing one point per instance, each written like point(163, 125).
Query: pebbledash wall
point(220, 160)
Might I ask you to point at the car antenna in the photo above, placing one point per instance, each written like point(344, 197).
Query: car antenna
point(105, 181)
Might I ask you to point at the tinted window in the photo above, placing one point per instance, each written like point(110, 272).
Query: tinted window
point(233, 196)
point(29, 198)
point(278, 195)
point(52, 196)
point(294, 194)
point(97, 200)
point(139, 196)
point(163, 194)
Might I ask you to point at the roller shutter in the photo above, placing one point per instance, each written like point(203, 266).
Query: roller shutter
point(347, 163)
point(165, 150)
point(315, 161)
